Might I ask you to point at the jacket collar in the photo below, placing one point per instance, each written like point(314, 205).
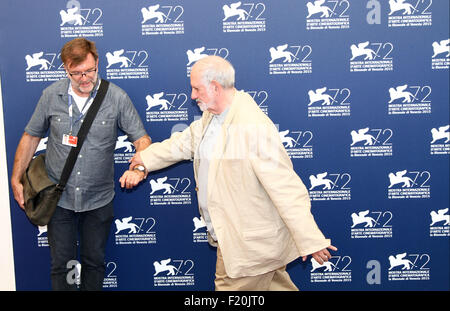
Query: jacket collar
point(222, 141)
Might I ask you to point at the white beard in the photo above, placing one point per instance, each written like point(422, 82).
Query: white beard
point(203, 106)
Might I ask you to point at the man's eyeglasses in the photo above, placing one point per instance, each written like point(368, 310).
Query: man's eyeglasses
point(78, 75)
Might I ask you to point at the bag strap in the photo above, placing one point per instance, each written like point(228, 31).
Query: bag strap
point(82, 133)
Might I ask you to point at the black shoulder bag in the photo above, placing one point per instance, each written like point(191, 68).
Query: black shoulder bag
point(41, 195)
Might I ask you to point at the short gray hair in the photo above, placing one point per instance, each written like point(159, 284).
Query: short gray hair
point(216, 68)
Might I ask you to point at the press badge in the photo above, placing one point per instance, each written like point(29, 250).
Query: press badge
point(70, 140)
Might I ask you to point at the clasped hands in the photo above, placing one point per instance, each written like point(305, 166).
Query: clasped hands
point(131, 178)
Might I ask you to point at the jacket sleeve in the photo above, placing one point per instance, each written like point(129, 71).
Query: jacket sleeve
point(275, 172)
point(180, 146)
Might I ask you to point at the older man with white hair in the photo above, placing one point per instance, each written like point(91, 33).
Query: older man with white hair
point(256, 208)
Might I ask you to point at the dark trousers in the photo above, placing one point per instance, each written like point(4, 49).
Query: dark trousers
point(90, 230)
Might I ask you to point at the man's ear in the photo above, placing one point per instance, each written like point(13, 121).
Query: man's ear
point(216, 87)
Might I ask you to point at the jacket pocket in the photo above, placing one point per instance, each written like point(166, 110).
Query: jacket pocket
point(259, 234)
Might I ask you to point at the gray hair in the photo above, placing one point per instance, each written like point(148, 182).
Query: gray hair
point(216, 68)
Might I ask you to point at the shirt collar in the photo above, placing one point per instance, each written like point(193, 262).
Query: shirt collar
point(64, 87)
point(221, 117)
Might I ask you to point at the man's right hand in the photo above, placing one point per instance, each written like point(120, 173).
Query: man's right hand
point(17, 188)
point(136, 160)
point(24, 153)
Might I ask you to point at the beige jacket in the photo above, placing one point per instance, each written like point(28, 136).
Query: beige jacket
point(259, 207)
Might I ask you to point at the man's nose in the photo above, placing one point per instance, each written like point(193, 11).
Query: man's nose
point(84, 77)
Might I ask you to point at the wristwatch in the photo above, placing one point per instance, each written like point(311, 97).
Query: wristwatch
point(139, 168)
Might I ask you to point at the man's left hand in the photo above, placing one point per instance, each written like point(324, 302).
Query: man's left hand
point(131, 179)
point(322, 256)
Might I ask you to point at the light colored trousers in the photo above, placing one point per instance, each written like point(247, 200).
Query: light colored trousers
point(277, 280)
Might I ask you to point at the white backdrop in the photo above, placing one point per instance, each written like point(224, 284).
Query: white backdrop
point(7, 281)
